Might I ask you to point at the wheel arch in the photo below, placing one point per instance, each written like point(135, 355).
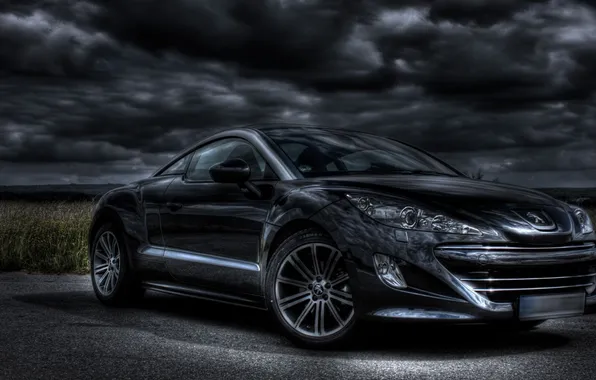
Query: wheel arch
point(102, 217)
point(296, 219)
point(288, 230)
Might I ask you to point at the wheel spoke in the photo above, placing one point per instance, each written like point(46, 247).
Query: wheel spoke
point(301, 268)
point(319, 328)
point(340, 279)
point(102, 279)
point(294, 299)
point(101, 268)
point(112, 281)
point(331, 263)
point(315, 261)
point(105, 246)
point(106, 281)
point(340, 299)
point(340, 293)
point(303, 315)
point(101, 256)
point(335, 313)
point(289, 281)
point(106, 285)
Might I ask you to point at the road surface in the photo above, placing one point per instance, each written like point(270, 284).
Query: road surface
point(53, 328)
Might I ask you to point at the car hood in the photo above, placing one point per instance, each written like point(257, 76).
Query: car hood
point(482, 203)
point(446, 189)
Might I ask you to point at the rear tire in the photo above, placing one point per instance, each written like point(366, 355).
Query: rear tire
point(312, 303)
point(114, 282)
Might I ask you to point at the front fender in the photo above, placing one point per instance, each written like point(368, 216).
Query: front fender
point(289, 212)
point(300, 204)
point(127, 205)
point(349, 227)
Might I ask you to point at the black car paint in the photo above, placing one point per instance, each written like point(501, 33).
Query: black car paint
point(214, 240)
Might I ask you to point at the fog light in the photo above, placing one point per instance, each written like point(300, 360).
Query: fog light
point(388, 271)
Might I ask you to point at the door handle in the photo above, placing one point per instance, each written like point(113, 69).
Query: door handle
point(174, 206)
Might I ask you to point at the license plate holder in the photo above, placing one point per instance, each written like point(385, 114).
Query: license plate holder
point(548, 306)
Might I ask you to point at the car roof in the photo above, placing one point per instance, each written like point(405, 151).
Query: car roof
point(281, 124)
point(291, 128)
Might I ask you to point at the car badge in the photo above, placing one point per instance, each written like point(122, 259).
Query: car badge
point(537, 219)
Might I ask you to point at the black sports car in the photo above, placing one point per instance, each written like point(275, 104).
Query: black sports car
point(324, 227)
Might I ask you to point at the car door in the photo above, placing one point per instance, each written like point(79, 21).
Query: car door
point(212, 230)
point(150, 256)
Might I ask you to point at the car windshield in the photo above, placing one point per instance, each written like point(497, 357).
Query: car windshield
point(324, 153)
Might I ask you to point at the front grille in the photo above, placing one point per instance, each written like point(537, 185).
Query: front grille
point(506, 282)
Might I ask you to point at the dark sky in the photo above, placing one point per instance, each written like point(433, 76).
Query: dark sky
point(105, 91)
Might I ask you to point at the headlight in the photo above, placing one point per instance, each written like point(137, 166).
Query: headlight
point(408, 216)
point(584, 220)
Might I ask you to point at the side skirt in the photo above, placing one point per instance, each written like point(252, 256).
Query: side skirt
point(211, 295)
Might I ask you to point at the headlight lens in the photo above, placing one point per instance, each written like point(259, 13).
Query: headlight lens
point(584, 220)
point(408, 216)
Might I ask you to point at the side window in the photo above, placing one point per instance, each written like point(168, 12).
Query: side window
point(204, 158)
point(293, 150)
point(178, 167)
point(299, 153)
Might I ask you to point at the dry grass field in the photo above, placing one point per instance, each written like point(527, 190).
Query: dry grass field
point(592, 213)
point(49, 237)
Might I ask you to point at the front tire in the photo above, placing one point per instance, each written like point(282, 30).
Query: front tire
point(114, 283)
point(309, 291)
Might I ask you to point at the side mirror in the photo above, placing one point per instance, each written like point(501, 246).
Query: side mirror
point(234, 170)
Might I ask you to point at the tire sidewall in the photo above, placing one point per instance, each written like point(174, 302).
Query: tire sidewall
point(288, 246)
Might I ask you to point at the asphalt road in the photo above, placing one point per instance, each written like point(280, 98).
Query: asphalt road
point(52, 327)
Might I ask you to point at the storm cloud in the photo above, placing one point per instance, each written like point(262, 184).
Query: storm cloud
point(97, 91)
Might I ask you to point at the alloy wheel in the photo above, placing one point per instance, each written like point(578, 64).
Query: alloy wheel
point(312, 290)
point(106, 263)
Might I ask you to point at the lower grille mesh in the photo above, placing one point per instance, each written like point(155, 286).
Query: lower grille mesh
point(505, 283)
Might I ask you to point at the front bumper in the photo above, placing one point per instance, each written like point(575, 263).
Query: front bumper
point(472, 282)
point(445, 273)
point(417, 309)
